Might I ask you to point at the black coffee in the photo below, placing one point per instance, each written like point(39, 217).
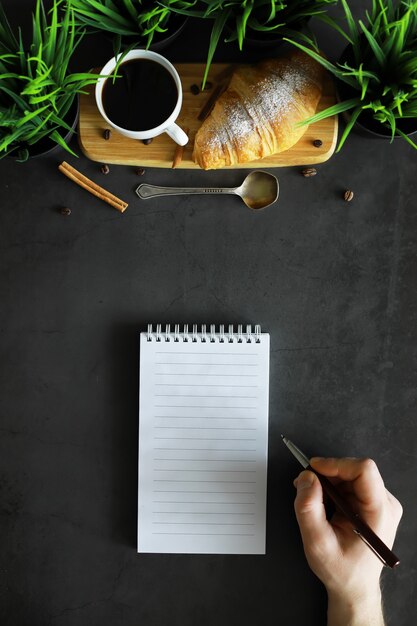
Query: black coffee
point(142, 97)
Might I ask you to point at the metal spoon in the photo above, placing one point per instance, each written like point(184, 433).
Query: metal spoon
point(258, 190)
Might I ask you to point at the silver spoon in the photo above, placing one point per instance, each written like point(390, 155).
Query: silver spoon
point(258, 190)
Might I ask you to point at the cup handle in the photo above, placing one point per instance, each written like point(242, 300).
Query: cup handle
point(177, 134)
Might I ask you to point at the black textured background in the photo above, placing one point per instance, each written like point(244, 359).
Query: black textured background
point(334, 283)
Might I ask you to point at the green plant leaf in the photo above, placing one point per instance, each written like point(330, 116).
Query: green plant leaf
point(379, 55)
point(352, 121)
point(331, 22)
point(408, 140)
point(133, 12)
point(214, 40)
point(242, 25)
point(8, 41)
point(340, 107)
point(353, 30)
point(390, 117)
point(30, 115)
point(364, 88)
point(55, 136)
point(101, 9)
point(330, 67)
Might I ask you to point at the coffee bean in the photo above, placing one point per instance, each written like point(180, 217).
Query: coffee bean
point(146, 142)
point(140, 171)
point(107, 134)
point(309, 171)
point(195, 90)
point(348, 195)
point(65, 211)
point(317, 143)
point(105, 169)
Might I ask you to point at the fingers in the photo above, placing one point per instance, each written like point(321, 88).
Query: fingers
point(310, 512)
point(363, 474)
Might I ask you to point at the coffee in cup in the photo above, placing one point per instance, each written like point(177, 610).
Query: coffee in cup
point(144, 99)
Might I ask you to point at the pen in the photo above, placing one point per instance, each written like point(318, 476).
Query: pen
point(360, 527)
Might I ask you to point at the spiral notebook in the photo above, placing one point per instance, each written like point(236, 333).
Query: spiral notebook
point(203, 439)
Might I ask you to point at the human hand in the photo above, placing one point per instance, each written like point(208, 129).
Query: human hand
point(347, 567)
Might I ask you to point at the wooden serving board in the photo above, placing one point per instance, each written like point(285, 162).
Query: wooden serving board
point(160, 153)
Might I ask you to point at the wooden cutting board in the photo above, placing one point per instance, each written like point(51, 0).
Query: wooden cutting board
point(160, 153)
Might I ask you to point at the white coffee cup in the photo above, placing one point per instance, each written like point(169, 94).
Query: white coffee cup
point(168, 126)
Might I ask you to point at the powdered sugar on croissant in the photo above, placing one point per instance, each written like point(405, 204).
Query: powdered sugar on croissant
point(258, 113)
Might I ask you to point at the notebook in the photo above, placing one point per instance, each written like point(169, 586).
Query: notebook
point(203, 438)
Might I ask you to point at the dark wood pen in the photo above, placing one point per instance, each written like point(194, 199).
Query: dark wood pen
point(360, 527)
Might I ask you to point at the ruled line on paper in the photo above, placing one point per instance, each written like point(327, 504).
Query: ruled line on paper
point(224, 513)
point(190, 447)
point(233, 411)
point(204, 417)
point(206, 363)
point(202, 385)
point(201, 491)
point(203, 439)
point(200, 502)
point(238, 482)
point(209, 460)
point(202, 406)
point(206, 353)
point(210, 449)
point(205, 523)
point(193, 470)
point(234, 428)
point(205, 510)
point(207, 375)
point(187, 395)
point(218, 417)
point(210, 534)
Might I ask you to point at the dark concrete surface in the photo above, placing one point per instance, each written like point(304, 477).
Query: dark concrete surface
point(334, 283)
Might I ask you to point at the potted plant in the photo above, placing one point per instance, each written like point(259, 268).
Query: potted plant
point(38, 94)
point(145, 23)
point(376, 75)
point(246, 20)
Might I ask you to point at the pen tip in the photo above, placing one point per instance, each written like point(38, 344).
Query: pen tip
point(282, 436)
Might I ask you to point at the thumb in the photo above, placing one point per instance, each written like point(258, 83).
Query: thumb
point(310, 512)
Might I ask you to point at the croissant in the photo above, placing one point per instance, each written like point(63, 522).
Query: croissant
point(258, 113)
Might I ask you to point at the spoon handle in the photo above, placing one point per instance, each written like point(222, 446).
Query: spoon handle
point(152, 191)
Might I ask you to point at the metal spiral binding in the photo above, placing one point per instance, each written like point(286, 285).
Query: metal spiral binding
point(239, 334)
point(204, 336)
point(177, 332)
point(158, 332)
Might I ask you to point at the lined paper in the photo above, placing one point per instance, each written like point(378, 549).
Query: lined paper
point(203, 434)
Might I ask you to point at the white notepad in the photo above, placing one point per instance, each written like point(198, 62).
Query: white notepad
point(203, 438)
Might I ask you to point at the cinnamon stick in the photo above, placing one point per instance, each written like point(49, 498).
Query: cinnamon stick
point(92, 187)
point(207, 108)
point(179, 151)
